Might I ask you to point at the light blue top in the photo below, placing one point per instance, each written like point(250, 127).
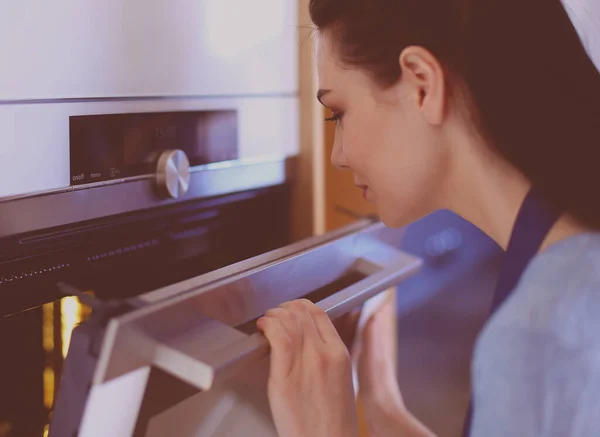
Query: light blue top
point(536, 367)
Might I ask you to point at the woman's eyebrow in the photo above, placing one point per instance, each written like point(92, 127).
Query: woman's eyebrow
point(320, 95)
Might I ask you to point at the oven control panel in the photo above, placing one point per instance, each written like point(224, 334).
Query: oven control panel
point(113, 147)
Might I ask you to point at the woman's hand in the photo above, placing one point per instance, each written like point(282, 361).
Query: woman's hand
point(310, 384)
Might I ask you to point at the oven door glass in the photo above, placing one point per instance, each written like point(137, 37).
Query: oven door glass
point(186, 360)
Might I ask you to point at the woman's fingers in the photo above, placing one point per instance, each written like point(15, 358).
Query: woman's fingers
point(323, 323)
point(300, 309)
point(293, 327)
point(283, 351)
point(313, 320)
point(289, 321)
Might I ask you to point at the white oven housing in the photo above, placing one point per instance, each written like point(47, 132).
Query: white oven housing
point(66, 58)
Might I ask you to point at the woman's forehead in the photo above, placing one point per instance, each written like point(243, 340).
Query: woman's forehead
point(329, 66)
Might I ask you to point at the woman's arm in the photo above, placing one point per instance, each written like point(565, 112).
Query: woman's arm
point(385, 412)
point(390, 421)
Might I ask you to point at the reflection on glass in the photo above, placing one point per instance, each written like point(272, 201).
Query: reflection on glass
point(48, 327)
point(48, 345)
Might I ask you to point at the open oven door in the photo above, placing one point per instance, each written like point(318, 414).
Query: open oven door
point(186, 360)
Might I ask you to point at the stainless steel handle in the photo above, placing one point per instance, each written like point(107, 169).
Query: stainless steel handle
point(381, 265)
point(239, 356)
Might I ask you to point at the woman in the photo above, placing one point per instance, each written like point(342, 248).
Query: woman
point(490, 108)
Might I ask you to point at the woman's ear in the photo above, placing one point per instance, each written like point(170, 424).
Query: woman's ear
point(425, 76)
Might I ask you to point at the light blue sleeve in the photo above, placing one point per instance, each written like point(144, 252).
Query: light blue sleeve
point(536, 366)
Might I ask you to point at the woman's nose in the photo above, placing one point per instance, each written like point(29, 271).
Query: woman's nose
point(338, 159)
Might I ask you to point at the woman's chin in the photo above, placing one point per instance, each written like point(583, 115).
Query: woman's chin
point(398, 219)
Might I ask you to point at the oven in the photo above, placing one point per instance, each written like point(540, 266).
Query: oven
point(155, 306)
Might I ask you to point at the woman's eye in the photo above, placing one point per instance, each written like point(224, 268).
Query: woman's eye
point(336, 117)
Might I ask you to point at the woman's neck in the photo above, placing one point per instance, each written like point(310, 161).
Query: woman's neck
point(566, 227)
point(491, 195)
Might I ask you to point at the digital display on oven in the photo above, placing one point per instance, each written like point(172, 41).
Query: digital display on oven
point(115, 146)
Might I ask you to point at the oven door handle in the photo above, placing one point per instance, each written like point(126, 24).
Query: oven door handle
point(190, 361)
point(238, 356)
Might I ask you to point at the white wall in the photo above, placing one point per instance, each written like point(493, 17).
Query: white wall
point(98, 48)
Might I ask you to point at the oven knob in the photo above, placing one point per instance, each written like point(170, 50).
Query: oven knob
point(173, 173)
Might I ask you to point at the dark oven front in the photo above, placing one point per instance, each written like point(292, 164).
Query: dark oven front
point(111, 258)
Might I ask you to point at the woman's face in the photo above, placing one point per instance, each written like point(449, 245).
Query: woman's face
point(398, 157)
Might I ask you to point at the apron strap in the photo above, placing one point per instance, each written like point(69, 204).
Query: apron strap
point(534, 222)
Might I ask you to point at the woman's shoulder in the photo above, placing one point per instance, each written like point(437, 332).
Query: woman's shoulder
point(558, 295)
point(540, 352)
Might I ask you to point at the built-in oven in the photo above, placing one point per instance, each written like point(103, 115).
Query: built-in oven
point(163, 215)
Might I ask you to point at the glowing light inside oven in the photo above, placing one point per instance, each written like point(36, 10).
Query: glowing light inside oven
point(48, 345)
point(49, 387)
point(71, 316)
point(72, 313)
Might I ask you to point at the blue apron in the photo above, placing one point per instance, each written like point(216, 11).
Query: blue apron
point(531, 227)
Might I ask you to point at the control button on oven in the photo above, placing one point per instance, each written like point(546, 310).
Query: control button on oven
point(173, 173)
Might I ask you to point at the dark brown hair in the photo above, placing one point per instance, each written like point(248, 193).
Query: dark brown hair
point(534, 88)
